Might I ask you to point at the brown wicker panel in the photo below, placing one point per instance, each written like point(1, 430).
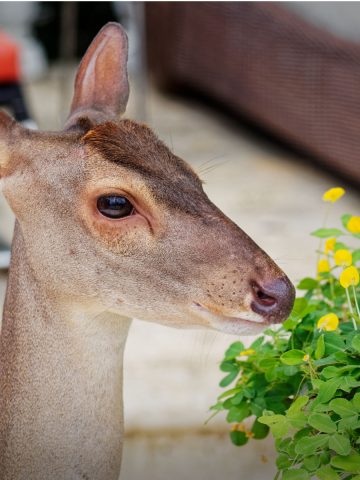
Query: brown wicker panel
point(297, 80)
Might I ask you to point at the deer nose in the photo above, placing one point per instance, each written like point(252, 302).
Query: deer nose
point(273, 300)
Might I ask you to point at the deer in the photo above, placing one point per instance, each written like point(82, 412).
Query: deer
point(110, 226)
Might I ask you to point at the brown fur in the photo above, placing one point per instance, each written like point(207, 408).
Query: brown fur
point(76, 277)
point(137, 148)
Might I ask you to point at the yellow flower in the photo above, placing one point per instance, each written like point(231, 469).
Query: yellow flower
point(353, 225)
point(250, 351)
point(328, 322)
point(349, 276)
point(306, 358)
point(343, 257)
point(238, 427)
point(323, 266)
point(249, 434)
point(333, 194)
point(330, 245)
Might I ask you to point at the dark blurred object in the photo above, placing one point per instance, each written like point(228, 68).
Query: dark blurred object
point(90, 17)
point(4, 256)
point(11, 96)
point(297, 80)
point(10, 90)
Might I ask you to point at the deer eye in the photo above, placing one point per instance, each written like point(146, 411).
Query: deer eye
point(114, 206)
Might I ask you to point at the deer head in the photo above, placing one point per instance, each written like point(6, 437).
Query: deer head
point(111, 218)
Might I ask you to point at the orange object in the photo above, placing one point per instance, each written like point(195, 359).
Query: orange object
point(9, 59)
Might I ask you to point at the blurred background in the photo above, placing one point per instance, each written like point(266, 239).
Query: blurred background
point(263, 99)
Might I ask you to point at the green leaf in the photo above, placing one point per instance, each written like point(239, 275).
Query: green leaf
point(322, 423)
point(296, 419)
point(293, 357)
point(238, 438)
point(271, 419)
point(259, 430)
point(328, 360)
point(289, 370)
point(324, 457)
point(267, 363)
point(290, 324)
point(348, 383)
point(348, 423)
point(356, 343)
point(320, 347)
point(257, 406)
point(343, 407)
point(356, 255)
point(249, 392)
point(341, 357)
point(340, 444)
point(298, 404)
point(312, 463)
point(278, 424)
point(307, 284)
point(327, 232)
point(298, 474)
point(327, 391)
point(238, 413)
point(333, 343)
point(257, 343)
point(229, 366)
point(356, 401)
point(217, 407)
point(345, 219)
point(327, 473)
point(299, 307)
point(228, 393)
point(350, 463)
point(283, 461)
point(321, 407)
point(234, 350)
point(282, 445)
point(237, 399)
point(228, 379)
point(280, 429)
point(304, 432)
point(331, 372)
point(340, 246)
point(309, 445)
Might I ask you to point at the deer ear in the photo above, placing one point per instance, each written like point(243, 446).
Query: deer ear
point(101, 84)
point(6, 123)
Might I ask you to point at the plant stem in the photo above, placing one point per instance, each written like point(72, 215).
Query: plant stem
point(351, 308)
point(356, 302)
point(320, 248)
point(332, 289)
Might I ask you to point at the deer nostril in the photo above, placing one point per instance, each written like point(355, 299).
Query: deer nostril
point(273, 300)
point(262, 297)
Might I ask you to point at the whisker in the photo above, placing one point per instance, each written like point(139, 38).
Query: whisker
point(213, 167)
point(209, 163)
point(203, 164)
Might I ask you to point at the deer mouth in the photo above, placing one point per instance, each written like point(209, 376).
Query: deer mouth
point(247, 322)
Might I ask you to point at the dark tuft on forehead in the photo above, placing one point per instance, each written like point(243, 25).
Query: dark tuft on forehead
point(136, 147)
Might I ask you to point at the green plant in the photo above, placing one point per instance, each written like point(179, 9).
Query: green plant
point(301, 380)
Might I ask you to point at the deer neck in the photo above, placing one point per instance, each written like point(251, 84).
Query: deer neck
point(60, 383)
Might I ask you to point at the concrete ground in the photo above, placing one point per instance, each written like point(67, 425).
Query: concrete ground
point(171, 376)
